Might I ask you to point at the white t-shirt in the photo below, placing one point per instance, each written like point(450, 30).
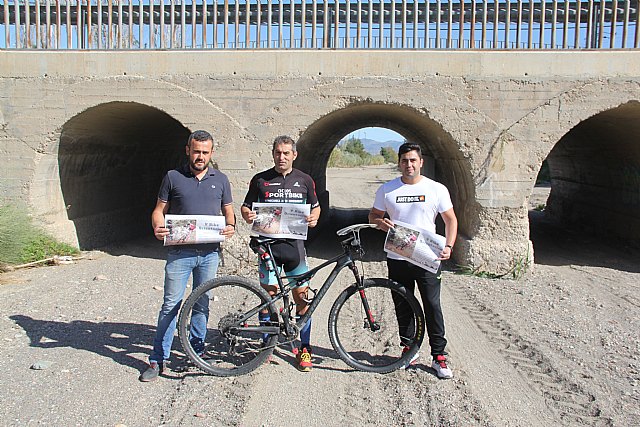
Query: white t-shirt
point(416, 204)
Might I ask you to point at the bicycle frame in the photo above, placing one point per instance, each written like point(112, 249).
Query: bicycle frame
point(341, 261)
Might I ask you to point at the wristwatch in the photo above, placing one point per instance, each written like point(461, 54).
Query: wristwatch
point(449, 246)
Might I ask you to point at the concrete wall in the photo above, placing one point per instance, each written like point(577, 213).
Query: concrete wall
point(85, 136)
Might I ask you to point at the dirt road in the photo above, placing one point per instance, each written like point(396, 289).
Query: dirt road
point(559, 346)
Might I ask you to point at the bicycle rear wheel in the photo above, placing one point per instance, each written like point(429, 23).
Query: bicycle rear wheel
point(231, 347)
point(379, 348)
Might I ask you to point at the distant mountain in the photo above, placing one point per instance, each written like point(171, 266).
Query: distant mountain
point(373, 147)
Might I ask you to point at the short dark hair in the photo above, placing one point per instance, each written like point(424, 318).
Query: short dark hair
point(409, 146)
point(200, 136)
point(284, 139)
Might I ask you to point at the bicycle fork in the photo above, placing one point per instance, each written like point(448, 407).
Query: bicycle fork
point(369, 321)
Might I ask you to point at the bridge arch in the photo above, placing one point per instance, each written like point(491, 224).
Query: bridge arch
point(111, 160)
point(589, 135)
point(595, 174)
point(447, 166)
point(131, 137)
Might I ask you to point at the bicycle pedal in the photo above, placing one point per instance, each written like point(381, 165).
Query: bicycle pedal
point(271, 361)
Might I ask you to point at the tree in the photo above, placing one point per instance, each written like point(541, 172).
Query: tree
point(389, 154)
point(352, 154)
point(335, 159)
point(355, 146)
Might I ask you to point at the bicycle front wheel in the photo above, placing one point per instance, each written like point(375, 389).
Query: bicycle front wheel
point(232, 345)
point(376, 346)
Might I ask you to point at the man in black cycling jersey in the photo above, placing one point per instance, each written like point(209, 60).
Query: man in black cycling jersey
point(284, 184)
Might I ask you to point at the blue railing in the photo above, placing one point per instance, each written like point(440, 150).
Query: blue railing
point(319, 24)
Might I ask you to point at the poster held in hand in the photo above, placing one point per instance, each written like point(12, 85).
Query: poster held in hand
point(416, 245)
point(282, 221)
point(193, 229)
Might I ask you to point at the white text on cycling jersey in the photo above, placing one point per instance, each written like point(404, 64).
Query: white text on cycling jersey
point(284, 193)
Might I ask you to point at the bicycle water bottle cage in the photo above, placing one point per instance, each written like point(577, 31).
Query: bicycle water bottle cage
point(309, 299)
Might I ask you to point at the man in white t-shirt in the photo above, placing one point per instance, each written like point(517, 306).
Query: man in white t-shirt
point(417, 200)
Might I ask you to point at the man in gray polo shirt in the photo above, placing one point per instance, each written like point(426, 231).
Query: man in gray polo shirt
point(195, 189)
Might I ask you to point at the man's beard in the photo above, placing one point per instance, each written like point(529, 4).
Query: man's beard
point(198, 167)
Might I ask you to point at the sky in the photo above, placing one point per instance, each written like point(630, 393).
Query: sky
point(377, 134)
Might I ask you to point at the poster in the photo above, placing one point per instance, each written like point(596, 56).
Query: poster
point(419, 247)
point(286, 220)
point(193, 229)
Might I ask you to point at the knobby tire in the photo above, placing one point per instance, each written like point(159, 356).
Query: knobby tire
point(379, 351)
point(228, 353)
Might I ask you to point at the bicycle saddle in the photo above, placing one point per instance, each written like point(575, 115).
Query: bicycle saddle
point(354, 227)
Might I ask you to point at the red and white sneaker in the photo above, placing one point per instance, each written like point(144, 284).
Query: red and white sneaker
point(440, 366)
point(414, 359)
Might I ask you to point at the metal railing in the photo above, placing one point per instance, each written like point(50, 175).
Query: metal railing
point(335, 24)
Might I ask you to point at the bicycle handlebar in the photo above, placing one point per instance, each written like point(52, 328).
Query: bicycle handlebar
point(257, 243)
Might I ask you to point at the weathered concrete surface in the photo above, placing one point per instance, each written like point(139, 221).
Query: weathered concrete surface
point(86, 136)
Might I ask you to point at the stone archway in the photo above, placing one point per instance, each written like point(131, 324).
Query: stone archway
point(111, 159)
point(595, 174)
point(148, 113)
point(449, 166)
point(583, 130)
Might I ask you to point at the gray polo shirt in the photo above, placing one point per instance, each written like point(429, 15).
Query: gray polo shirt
point(187, 195)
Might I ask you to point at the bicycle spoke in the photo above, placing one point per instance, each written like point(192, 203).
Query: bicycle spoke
point(232, 346)
point(378, 348)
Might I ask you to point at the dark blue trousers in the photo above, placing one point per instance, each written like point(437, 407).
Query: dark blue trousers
point(408, 275)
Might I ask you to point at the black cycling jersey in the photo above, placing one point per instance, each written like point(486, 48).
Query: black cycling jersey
point(273, 187)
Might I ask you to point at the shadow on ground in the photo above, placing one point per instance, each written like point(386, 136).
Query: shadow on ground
point(556, 245)
point(325, 244)
point(141, 247)
point(115, 341)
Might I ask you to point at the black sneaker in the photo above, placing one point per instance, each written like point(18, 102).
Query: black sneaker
point(197, 345)
point(200, 349)
point(152, 372)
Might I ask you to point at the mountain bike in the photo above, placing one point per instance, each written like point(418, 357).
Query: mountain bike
point(363, 321)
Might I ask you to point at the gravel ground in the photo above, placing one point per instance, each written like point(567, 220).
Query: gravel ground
point(559, 346)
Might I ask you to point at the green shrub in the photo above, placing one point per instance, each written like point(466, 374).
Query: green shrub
point(389, 154)
point(22, 242)
point(350, 160)
point(341, 158)
point(377, 160)
point(519, 266)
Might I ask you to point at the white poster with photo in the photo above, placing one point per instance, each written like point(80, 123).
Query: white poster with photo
point(193, 229)
point(281, 220)
point(416, 245)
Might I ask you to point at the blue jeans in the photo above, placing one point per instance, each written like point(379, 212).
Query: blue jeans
point(180, 264)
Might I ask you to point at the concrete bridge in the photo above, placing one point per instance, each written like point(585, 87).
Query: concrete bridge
point(86, 136)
